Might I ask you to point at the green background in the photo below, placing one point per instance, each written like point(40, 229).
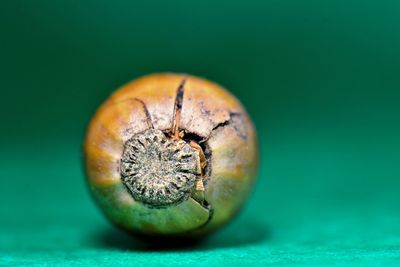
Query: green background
point(321, 79)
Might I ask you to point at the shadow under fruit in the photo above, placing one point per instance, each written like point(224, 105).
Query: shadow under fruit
point(170, 155)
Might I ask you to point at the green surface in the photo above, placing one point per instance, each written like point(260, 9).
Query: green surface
point(320, 78)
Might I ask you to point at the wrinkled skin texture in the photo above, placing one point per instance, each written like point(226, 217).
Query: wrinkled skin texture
point(208, 112)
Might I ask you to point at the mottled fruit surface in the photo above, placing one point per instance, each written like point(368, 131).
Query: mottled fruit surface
point(170, 155)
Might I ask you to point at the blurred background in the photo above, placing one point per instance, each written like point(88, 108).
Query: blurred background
point(320, 79)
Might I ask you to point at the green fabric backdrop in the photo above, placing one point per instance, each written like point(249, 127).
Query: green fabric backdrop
point(321, 80)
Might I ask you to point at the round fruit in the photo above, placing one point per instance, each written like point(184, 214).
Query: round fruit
point(170, 155)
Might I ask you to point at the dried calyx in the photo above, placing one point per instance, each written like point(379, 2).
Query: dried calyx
point(160, 168)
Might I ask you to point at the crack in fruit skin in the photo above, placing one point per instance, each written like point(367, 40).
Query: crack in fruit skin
point(159, 171)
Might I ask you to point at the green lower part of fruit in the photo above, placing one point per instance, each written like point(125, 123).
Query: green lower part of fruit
point(118, 205)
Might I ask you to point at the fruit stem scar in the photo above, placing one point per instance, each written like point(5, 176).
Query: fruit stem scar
point(177, 110)
point(149, 121)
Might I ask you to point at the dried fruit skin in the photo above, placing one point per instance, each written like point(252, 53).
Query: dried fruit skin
point(170, 155)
